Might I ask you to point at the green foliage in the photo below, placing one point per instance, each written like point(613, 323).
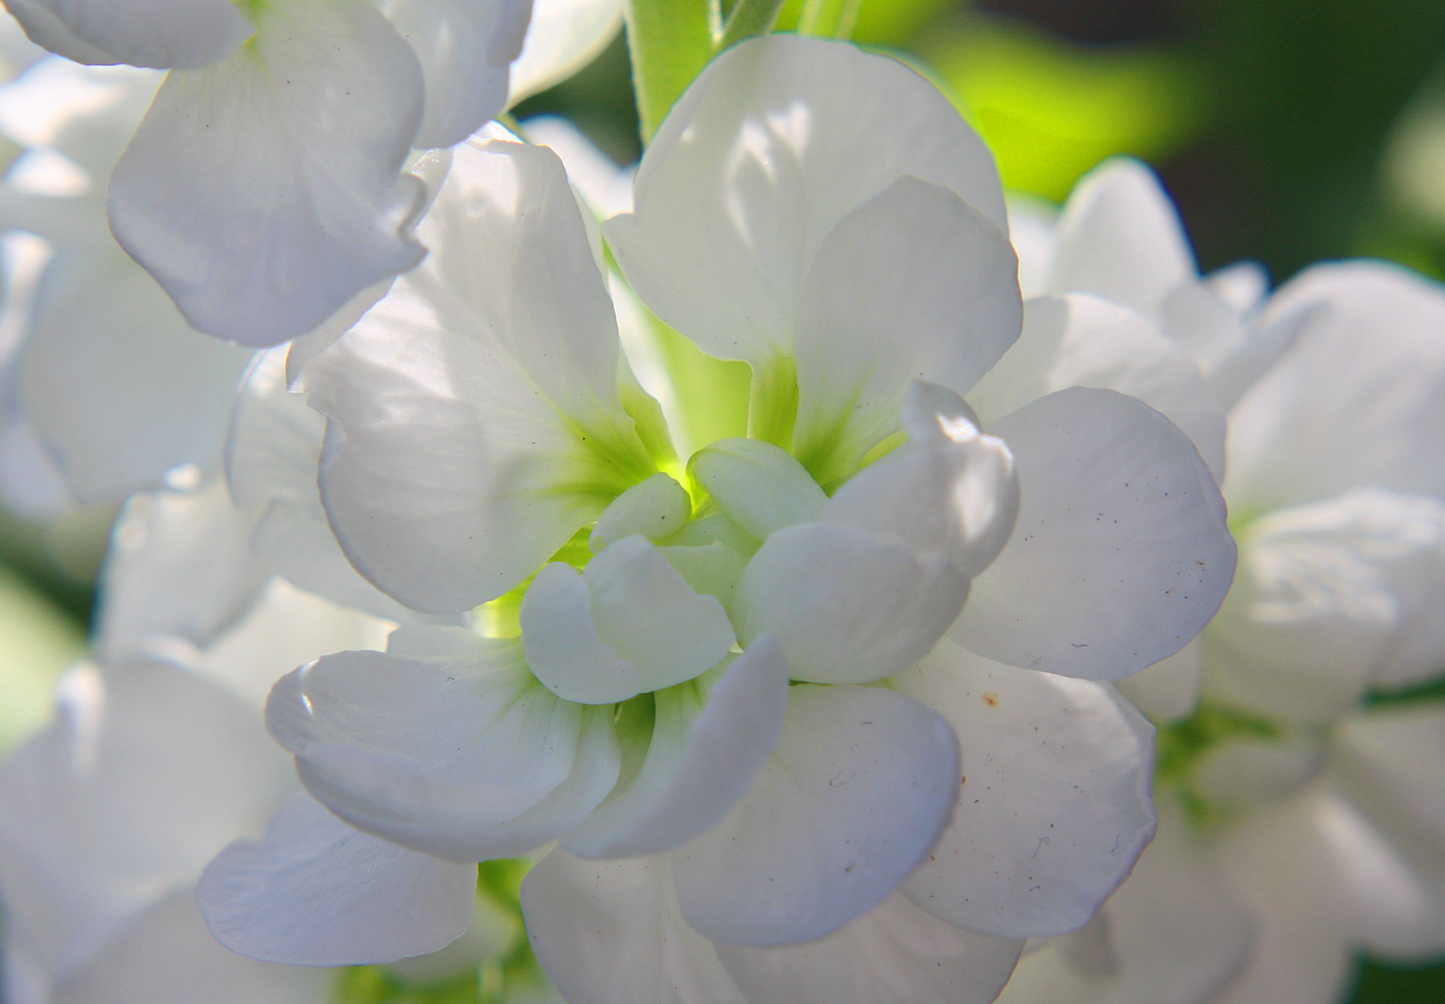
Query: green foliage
point(1051, 109)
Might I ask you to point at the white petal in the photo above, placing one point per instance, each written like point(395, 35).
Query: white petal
point(853, 796)
point(1081, 340)
point(147, 773)
point(315, 892)
point(168, 955)
point(285, 629)
point(1388, 832)
point(1278, 865)
point(1120, 553)
point(893, 954)
point(755, 166)
point(761, 487)
point(464, 48)
point(847, 608)
point(1054, 806)
point(1120, 237)
point(455, 469)
point(263, 192)
point(169, 537)
point(655, 508)
point(915, 283)
point(1172, 934)
point(1359, 400)
point(273, 452)
point(464, 758)
point(117, 384)
point(161, 33)
point(953, 494)
point(628, 624)
point(1330, 598)
point(563, 37)
point(709, 740)
point(610, 932)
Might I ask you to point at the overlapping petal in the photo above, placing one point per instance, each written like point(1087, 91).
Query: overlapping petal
point(1079, 340)
point(465, 755)
point(1054, 807)
point(856, 791)
point(895, 953)
point(759, 161)
point(457, 467)
point(1331, 598)
point(94, 772)
point(913, 284)
point(709, 740)
point(1359, 401)
point(627, 624)
point(1120, 552)
point(158, 33)
point(464, 48)
point(124, 419)
point(1120, 238)
point(305, 133)
point(315, 892)
point(612, 931)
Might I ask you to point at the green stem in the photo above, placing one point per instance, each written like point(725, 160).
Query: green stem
point(749, 18)
point(670, 41)
point(829, 18)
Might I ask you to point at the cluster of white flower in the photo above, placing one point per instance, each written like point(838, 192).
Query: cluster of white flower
point(747, 559)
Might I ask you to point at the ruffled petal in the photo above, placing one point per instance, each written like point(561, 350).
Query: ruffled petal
point(755, 166)
point(709, 740)
point(893, 954)
point(183, 34)
point(455, 469)
point(1120, 553)
point(1054, 807)
point(263, 192)
point(1359, 400)
point(846, 606)
point(315, 892)
point(1078, 340)
point(914, 284)
point(853, 796)
point(466, 757)
point(611, 932)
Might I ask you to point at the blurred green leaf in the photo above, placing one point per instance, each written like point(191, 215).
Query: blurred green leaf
point(1051, 109)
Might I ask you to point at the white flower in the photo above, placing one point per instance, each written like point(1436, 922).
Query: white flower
point(264, 189)
point(1312, 823)
point(158, 757)
point(487, 444)
point(117, 390)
